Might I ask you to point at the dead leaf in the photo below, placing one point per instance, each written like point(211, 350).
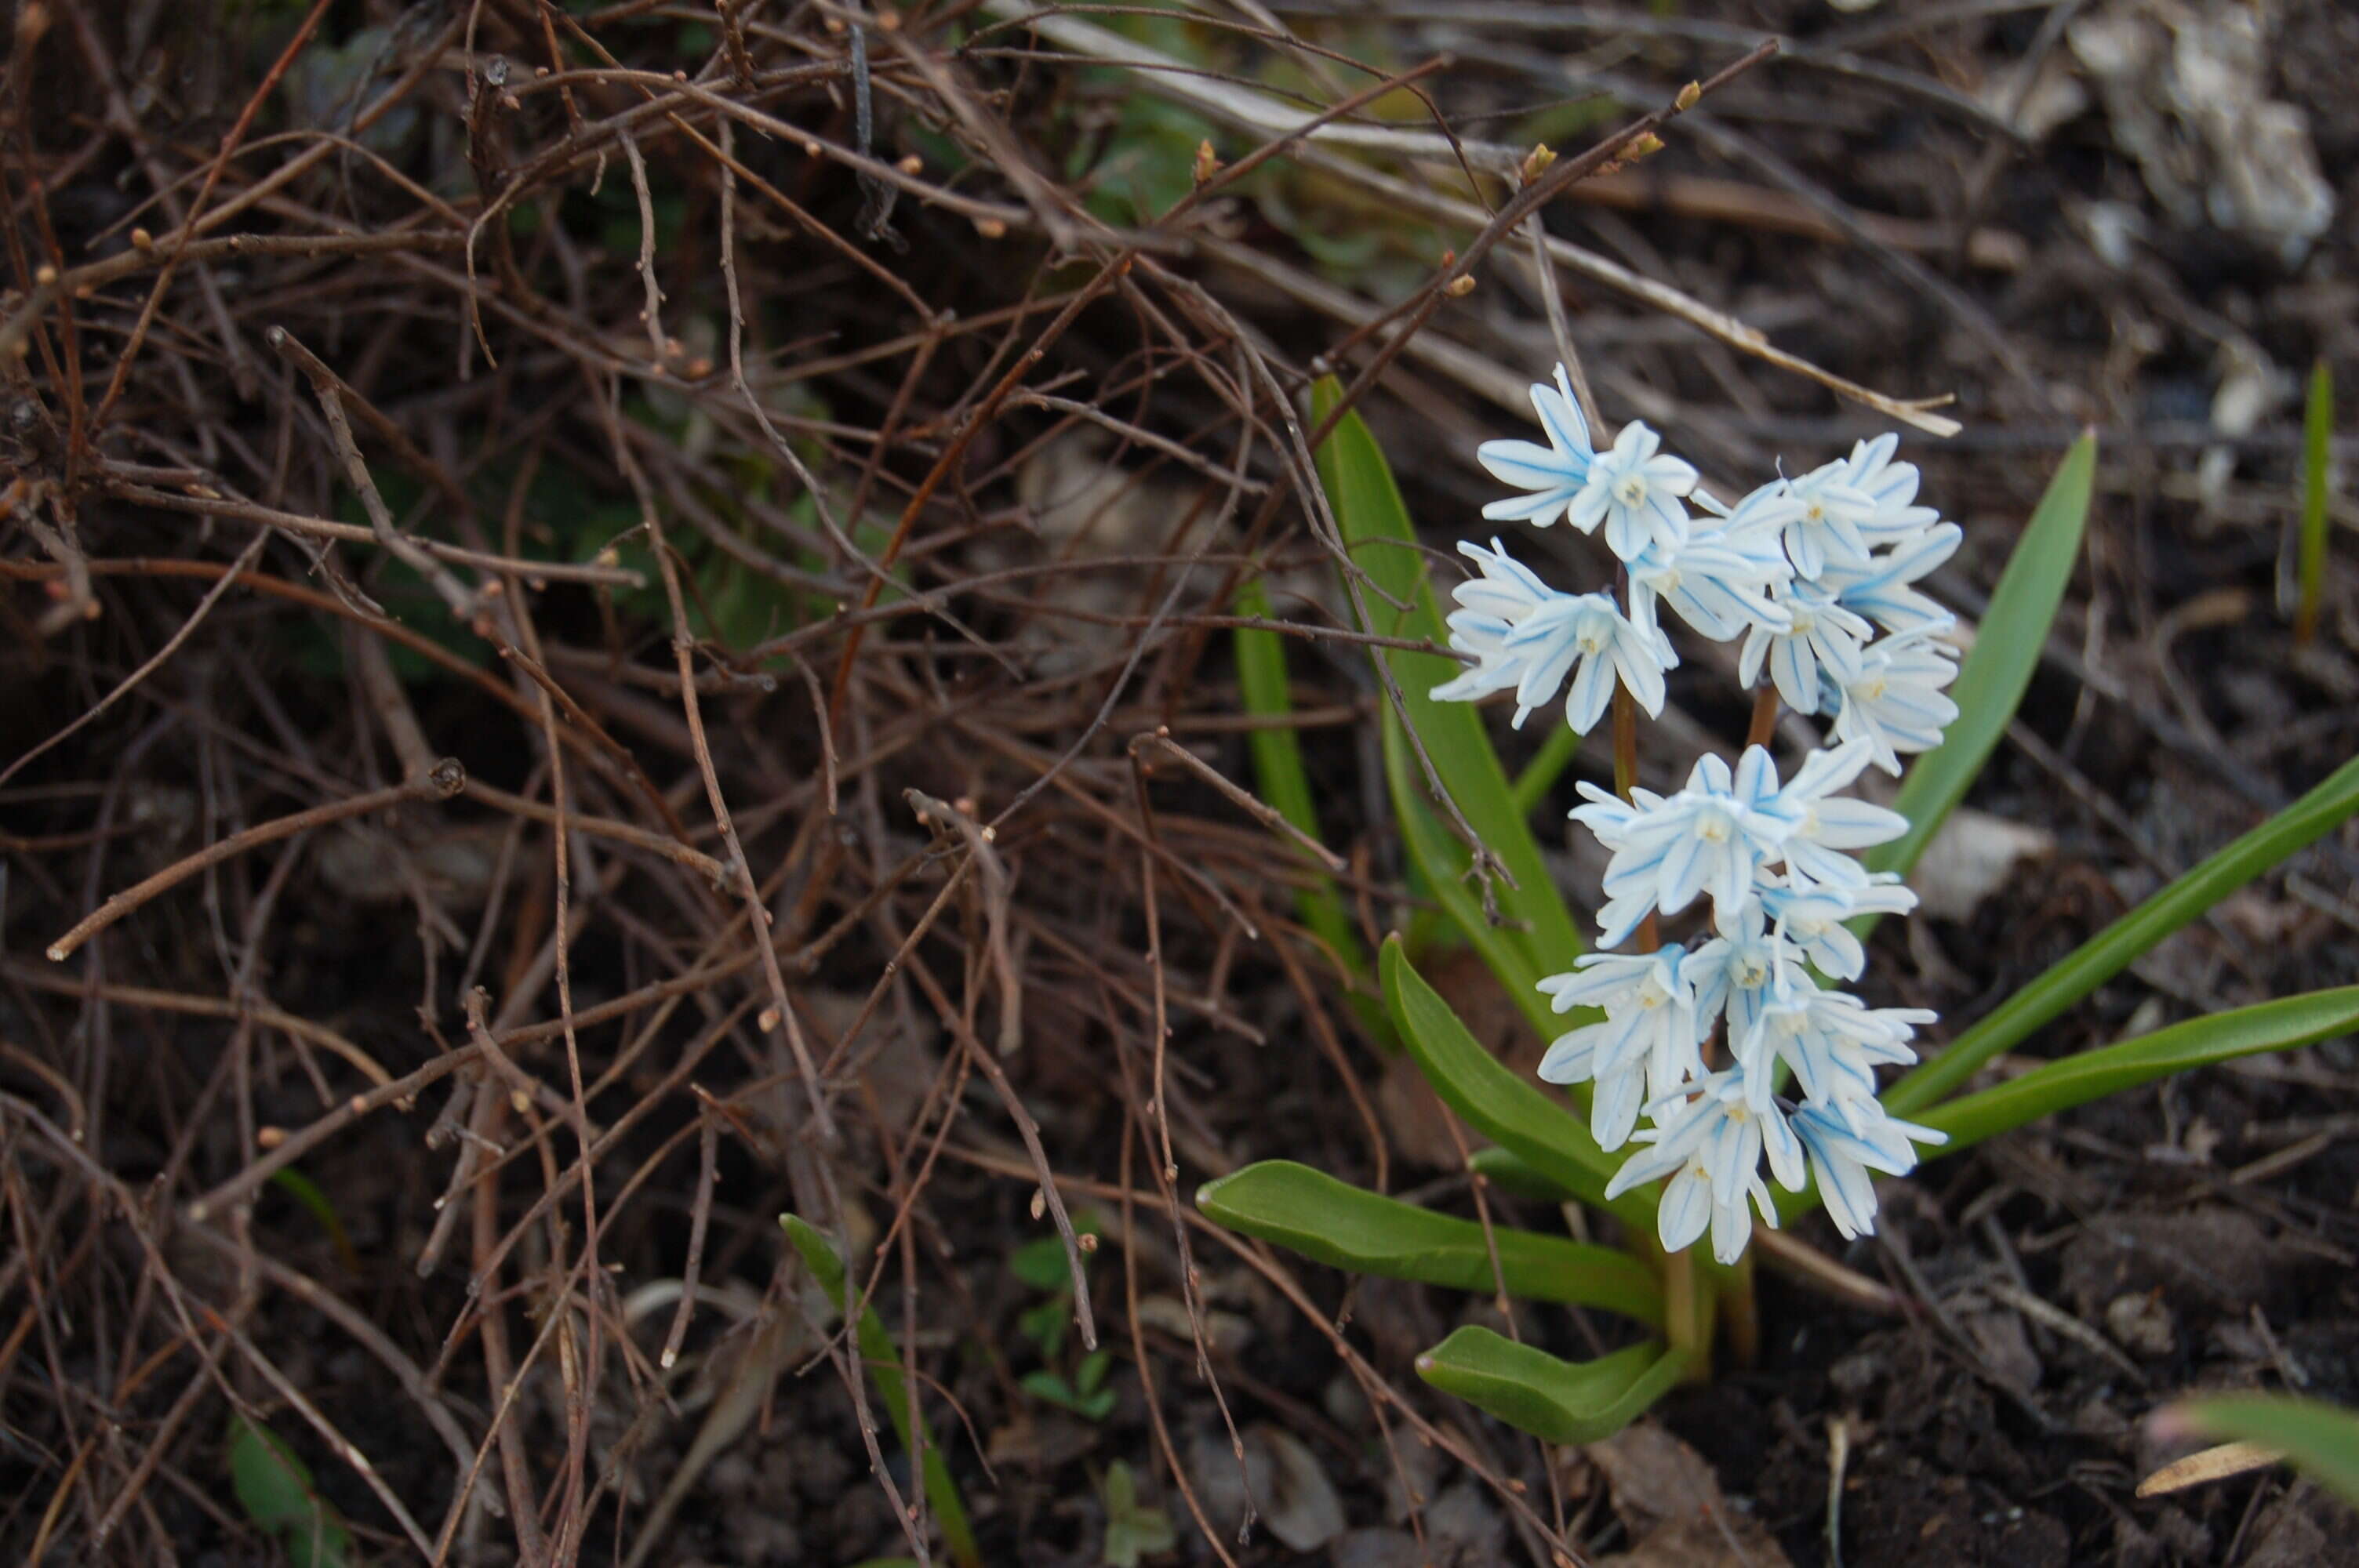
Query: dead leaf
point(1669, 1499)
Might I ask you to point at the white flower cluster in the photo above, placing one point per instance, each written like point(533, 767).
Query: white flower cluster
point(1809, 571)
point(1806, 571)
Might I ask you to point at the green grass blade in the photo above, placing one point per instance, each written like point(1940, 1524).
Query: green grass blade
point(1345, 1226)
point(2279, 1025)
point(891, 1389)
point(1555, 1400)
point(2317, 445)
point(1377, 530)
point(1497, 1103)
point(1283, 782)
point(2105, 955)
point(2319, 1439)
point(1990, 681)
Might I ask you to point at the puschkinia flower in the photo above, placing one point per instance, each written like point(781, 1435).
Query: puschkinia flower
point(1813, 919)
point(1713, 835)
point(1644, 1048)
point(1555, 473)
point(1739, 972)
point(1830, 526)
point(1820, 642)
point(1885, 588)
point(1732, 1049)
point(1843, 1154)
point(1526, 636)
point(1891, 486)
point(1724, 579)
point(1712, 1145)
point(1818, 825)
point(1637, 491)
point(1897, 703)
point(1831, 1040)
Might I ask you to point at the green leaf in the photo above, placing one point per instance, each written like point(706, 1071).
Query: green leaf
point(1557, 1402)
point(1990, 681)
point(2113, 950)
point(891, 1389)
point(1049, 1387)
point(2317, 447)
point(1497, 1103)
point(1383, 544)
point(1284, 783)
point(1093, 1370)
point(1132, 1531)
point(1041, 1263)
point(2278, 1025)
point(274, 1489)
point(1345, 1226)
point(1043, 1384)
point(2321, 1440)
point(1044, 1324)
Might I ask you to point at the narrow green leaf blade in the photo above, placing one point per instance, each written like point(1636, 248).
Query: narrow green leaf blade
point(1555, 1400)
point(2279, 1025)
point(884, 1365)
point(2317, 447)
point(2320, 1440)
point(1334, 1223)
point(1990, 681)
point(1284, 783)
point(1383, 544)
point(2105, 955)
point(1497, 1103)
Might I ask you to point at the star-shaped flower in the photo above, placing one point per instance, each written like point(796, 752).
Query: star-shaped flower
point(1554, 474)
point(1636, 490)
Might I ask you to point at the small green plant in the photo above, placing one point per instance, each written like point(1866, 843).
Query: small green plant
point(1042, 1265)
point(274, 1489)
point(1133, 1531)
point(1736, 1043)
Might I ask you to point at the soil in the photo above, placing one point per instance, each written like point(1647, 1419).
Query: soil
point(262, 1158)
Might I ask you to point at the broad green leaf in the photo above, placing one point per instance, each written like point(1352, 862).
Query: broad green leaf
point(1350, 1228)
point(274, 1489)
point(1990, 681)
point(1555, 1400)
point(892, 1388)
point(2278, 1025)
point(1383, 544)
point(1284, 783)
point(2319, 1439)
point(2317, 447)
point(2113, 950)
point(1497, 1103)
